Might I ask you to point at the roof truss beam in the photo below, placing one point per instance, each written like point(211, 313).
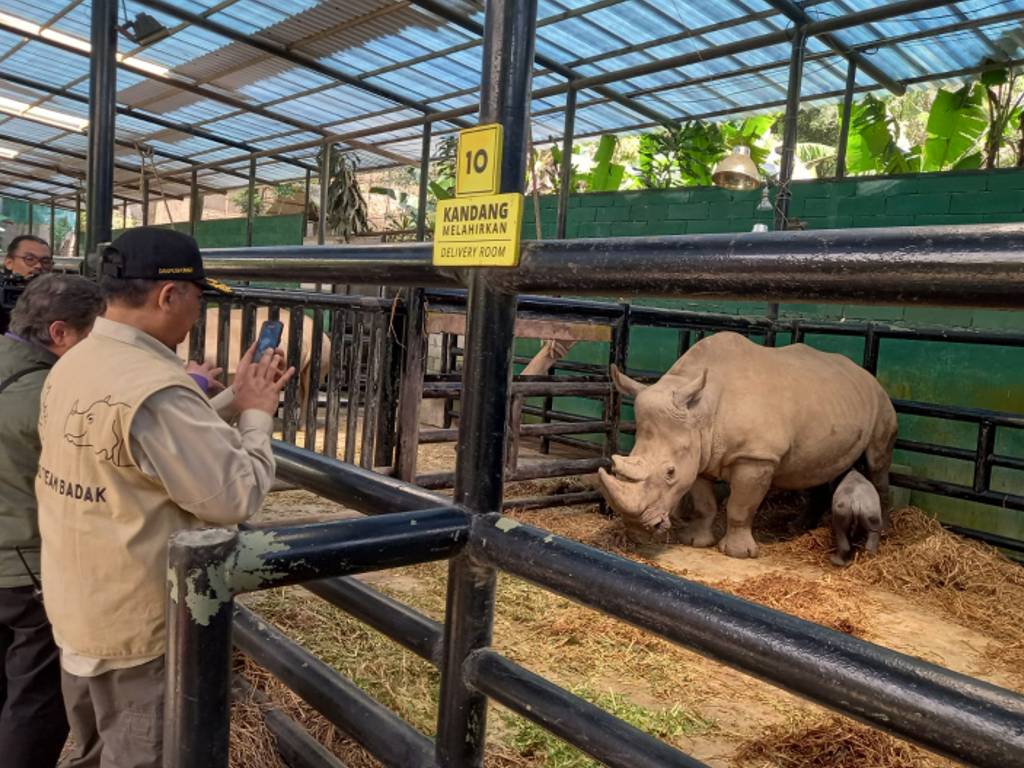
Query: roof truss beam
point(283, 52)
point(798, 15)
point(466, 23)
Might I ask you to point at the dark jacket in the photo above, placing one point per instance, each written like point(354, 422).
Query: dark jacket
point(19, 457)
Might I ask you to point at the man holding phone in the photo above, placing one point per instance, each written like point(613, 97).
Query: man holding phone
point(132, 451)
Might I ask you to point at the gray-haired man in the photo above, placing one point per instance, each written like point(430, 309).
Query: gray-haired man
point(53, 314)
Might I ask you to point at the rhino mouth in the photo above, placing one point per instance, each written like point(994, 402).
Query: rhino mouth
point(619, 484)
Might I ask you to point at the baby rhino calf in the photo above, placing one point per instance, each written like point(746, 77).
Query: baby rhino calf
point(856, 513)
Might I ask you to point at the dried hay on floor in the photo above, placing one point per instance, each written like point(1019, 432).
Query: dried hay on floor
point(969, 580)
point(830, 741)
point(824, 602)
point(252, 744)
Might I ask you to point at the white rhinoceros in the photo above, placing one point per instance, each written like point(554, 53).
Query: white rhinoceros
point(757, 417)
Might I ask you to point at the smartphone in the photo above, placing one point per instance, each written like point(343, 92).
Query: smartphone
point(270, 338)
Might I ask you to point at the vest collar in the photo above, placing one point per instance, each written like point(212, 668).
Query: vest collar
point(129, 334)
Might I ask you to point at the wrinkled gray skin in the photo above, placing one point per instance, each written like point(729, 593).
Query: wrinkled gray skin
point(757, 417)
point(856, 515)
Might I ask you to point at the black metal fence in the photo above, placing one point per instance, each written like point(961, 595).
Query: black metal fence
point(952, 714)
point(601, 435)
point(346, 352)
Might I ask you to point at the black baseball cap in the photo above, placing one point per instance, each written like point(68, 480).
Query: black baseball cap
point(156, 253)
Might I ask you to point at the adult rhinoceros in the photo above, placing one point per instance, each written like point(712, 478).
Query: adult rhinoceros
point(791, 418)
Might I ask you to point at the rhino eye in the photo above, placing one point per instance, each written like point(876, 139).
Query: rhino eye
point(670, 473)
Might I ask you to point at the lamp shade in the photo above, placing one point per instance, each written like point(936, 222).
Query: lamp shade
point(736, 170)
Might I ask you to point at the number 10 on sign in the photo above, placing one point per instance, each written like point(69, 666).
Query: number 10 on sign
point(479, 161)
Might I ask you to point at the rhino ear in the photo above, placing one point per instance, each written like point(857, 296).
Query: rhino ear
point(624, 384)
point(685, 398)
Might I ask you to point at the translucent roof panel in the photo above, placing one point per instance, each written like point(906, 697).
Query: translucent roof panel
point(367, 73)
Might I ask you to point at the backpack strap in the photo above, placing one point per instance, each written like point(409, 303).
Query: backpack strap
point(21, 374)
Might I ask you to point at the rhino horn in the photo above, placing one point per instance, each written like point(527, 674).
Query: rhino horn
point(613, 491)
point(687, 396)
point(624, 384)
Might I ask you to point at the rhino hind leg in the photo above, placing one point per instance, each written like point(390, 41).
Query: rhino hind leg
point(749, 481)
point(696, 531)
point(878, 457)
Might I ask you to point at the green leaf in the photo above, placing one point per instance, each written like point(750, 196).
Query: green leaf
point(756, 127)
point(971, 162)
point(812, 155)
point(956, 122)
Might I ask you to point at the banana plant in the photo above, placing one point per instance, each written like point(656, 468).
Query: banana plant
point(956, 123)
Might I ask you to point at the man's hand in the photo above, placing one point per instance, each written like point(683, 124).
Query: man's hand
point(209, 371)
point(258, 386)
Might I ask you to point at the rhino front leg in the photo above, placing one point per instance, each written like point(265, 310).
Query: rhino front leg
point(697, 531)
point(749, 481)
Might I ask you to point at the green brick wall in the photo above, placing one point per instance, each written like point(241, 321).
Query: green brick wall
point(230, 233)
point(987, 377)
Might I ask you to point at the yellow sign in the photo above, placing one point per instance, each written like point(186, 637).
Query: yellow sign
point(478, 231)
point(478, 171)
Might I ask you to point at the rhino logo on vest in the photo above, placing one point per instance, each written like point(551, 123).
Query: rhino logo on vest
point(98, 427)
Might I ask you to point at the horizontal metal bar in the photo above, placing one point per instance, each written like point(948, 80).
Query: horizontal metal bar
point(290, 298)
point(528, 389)
point(959, 413)
point(276, 557)
point(683, 319)
point(957, 491)
point(404, 625)
point(974, 265)
point(402, 264)
point(368, 492)
point(385, 735)
point(532, 470)
point(295, 744)
point(526, 430)
point(1007, 462)
point(952, 714)
point(1003, 542)
point(601, 735)
point(931, 449)
point(556, 500)
point(969, 265)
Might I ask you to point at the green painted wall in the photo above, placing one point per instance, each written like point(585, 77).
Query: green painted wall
point(987, 377)
point(230, 233)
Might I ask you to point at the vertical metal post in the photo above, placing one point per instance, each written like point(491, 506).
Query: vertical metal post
point(250, 212)
point(78, 223)
point(844, 126)
point(509, 37)
point(796, 67)
point(305, 209)
point(102, 103)
point(325, 181)
point(145, 201)
point(565, 178)
point(124, 214)
point(53, 225)
point(198, 675)
point(194, 211)
point(983, 456)
point(31, 215)
point(421, 206)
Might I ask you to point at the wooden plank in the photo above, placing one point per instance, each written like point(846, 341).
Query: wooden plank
point(526, 328)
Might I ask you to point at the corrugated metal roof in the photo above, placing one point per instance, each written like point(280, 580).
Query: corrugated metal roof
point(414, 54)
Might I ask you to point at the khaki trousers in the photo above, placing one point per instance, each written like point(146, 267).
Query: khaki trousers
point(116, 718)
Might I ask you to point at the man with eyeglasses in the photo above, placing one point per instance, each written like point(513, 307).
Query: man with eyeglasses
point(28, 256)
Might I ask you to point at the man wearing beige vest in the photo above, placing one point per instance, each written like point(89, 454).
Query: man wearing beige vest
point(133, 451)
